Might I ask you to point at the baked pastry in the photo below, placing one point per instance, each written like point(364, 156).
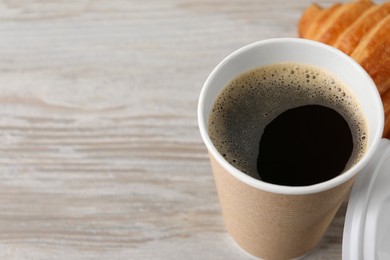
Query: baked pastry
point(313, 18)
point(373, 53)
point(360, 29)
point(351, 36)
point(386, 105)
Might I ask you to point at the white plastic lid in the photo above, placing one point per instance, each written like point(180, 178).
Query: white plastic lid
point(367, 223)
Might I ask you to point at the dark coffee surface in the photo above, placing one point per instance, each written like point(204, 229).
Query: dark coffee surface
point(255, 98)
point(304, 146)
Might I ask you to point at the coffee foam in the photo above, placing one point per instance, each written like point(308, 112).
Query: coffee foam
point(253, 99)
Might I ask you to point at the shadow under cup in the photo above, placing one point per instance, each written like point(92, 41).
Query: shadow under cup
point(273, 221)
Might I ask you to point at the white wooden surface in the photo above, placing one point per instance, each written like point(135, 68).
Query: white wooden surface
point(100, 153)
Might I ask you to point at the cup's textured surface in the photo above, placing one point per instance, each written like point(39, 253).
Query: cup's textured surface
point(275, 226)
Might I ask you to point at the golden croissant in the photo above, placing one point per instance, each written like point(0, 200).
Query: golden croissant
point(361, 29)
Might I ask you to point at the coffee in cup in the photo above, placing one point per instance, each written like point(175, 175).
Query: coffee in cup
point(289, 124)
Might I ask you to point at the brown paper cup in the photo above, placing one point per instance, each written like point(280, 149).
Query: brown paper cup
point(273, 221)
point(271, 225)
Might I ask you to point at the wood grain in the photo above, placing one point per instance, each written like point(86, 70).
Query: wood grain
point(100, 153)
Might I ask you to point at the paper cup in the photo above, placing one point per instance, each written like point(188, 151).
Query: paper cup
point(274, 221)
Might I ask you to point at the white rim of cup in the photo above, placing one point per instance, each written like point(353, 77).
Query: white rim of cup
point(281, 189)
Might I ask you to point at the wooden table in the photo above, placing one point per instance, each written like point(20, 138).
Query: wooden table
point(101, 156)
